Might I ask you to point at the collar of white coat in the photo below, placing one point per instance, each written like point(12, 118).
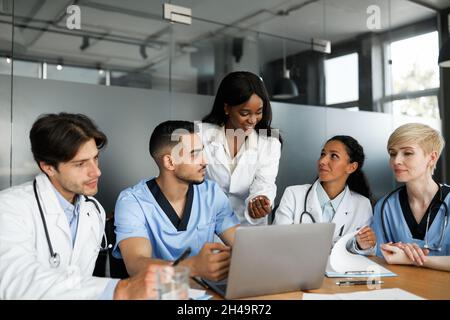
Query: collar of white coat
point(69, 209)
point(47, 196)
point(345, 206)
point(51, 206)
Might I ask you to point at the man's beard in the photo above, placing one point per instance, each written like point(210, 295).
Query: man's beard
point(190, 180)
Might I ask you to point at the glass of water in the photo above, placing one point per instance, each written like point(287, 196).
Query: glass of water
point(173, 283)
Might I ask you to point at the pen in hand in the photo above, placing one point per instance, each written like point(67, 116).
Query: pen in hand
point(182, 257)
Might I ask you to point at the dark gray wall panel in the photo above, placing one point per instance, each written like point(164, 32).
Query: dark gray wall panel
point(127, 116)
point(5, 130)
point(191, 107)
point(372, 131)
point(303, 131)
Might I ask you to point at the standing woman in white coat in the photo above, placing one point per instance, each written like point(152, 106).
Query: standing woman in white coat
point(242, 149)
point(340, 195)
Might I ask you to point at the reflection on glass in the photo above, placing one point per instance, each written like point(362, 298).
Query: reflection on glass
point(115, 35)
point(414, 63)
point(131, 37)
point(131, 79)
point(5, 65)
point(420, 107)
point(27, 69)
point(341, 77)
point(74, 74)
point(194, 59)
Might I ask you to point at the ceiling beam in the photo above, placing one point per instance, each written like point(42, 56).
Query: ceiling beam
point(36, 7)
point(425, 4)
point(60, 14)
point(120, 10)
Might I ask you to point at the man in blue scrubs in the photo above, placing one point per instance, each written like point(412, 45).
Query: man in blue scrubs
point(159, 218)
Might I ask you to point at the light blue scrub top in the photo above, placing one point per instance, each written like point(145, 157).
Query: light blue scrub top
point(397, 229)
point(137, 214)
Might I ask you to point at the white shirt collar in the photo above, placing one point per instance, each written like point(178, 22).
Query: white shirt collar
point(324, 198)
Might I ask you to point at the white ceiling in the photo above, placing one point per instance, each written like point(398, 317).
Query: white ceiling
point(136, 20)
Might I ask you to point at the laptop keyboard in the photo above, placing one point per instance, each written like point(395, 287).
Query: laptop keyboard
point(218, 286)
point(222, 287)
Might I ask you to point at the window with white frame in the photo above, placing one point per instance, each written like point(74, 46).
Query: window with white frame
point(413, 81)
point(341, 79)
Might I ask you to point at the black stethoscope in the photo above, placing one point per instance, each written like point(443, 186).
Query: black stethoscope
point(304, 205)
point(309, 213)
point(55, 258)
point(443, 226)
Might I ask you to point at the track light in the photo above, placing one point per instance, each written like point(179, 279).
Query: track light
point(85, 43)
point(59, 66)
point(143, 52)
point(8, 60)
point(100, 69)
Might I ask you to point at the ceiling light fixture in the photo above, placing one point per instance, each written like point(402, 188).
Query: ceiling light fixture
point(285, 88)
point(186, 48)
point(85, 44)
point(100, 69)
point(59, 66)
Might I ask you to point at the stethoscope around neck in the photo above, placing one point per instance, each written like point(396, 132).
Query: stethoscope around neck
point(443, 225)
point(304, 205)
point(55, 258)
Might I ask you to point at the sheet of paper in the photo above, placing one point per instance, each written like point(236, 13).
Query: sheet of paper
point(343, 263)
point(196, 294)
point(317, 296)
point(341, 259)
point(381, 294)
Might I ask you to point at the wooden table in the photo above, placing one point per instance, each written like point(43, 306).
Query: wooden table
point(426, 283)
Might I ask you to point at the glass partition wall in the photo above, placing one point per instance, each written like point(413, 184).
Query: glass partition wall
point(128, 68)
point(6, 69)
point(130, 44)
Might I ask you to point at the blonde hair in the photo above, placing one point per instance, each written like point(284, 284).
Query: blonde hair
point(427, 138)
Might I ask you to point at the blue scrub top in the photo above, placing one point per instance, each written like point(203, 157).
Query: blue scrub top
point(138, 214)
point(397, 228)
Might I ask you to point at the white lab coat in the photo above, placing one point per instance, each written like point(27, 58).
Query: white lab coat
point(25, 271)
point(254, 174)
point(354, 211)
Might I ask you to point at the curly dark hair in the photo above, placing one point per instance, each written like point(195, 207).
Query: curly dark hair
point(357, 181)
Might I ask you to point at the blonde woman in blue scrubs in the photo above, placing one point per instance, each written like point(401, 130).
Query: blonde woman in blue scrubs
point(414, 217)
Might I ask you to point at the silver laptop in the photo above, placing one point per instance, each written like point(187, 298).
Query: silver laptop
point(275, 259)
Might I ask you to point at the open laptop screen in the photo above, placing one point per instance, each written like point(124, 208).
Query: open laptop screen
point(276, 258)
